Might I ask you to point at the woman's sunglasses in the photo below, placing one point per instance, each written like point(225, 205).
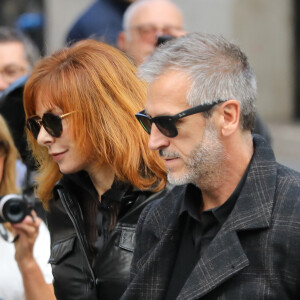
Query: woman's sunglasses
point(51, 122)
point(167, 124)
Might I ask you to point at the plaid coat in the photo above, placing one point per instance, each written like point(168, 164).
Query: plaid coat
point(254, 256)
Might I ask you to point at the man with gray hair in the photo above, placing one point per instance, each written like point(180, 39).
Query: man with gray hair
point(143, 22)
point(230, 227)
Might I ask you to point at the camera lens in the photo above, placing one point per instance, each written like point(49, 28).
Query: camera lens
point(13, 208)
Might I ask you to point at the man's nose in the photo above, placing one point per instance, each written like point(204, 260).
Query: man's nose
point(159, 31)
point(157, 140)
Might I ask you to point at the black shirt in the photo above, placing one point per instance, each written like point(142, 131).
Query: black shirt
point(97, 216)
point(198, 230)
point(121, 195)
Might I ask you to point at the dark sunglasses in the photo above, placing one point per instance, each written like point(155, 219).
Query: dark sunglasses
point(51, 122)
point(167, 124)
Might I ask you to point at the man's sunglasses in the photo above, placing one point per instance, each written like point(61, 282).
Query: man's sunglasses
point(51, 122)
point(167, 124)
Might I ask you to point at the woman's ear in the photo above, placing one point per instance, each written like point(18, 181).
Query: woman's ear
point(230, 117)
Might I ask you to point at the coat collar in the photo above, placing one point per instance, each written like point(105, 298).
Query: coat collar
point(255, 203)
point(83, 182)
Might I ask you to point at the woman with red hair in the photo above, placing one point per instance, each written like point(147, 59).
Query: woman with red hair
point(95, 170)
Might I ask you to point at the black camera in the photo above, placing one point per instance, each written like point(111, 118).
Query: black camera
point(13, 208)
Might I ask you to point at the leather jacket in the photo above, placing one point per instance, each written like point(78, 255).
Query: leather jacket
point(78, 274)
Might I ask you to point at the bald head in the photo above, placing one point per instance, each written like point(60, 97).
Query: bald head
point(143, 22)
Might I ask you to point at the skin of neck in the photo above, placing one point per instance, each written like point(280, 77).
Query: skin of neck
point(238, 149)
point(102, 178)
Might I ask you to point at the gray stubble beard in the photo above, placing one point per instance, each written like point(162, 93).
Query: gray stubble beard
point(204, 164)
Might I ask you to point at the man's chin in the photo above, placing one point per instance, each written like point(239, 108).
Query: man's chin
point(177, 179)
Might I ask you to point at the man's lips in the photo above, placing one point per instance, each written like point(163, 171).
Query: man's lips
point(170, 160)
point(168, 157)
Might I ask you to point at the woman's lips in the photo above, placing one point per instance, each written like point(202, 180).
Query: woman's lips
point(58, 156)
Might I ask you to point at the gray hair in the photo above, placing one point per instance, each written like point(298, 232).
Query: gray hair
point(217, 68)
point(130, 11)
point(32, 53)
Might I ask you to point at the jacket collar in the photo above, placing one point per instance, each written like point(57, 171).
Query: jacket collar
point(255, 203)
point(82, 180)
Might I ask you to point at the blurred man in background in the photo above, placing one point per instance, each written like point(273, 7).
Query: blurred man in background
point(143, 22)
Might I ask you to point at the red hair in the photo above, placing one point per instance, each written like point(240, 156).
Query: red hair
point(100, 83)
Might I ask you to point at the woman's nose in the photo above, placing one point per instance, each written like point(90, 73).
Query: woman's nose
point(44, 138)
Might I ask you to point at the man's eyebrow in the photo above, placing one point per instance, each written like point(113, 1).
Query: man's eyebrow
point(159, 115)
point(146, 113)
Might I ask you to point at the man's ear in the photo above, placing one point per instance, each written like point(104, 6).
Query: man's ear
point(230, 117)
point(121, 41)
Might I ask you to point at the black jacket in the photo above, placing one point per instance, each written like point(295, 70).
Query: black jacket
point(78, 272)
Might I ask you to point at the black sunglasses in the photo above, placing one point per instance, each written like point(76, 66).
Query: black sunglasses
point(167, 124)
point(51, 122)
